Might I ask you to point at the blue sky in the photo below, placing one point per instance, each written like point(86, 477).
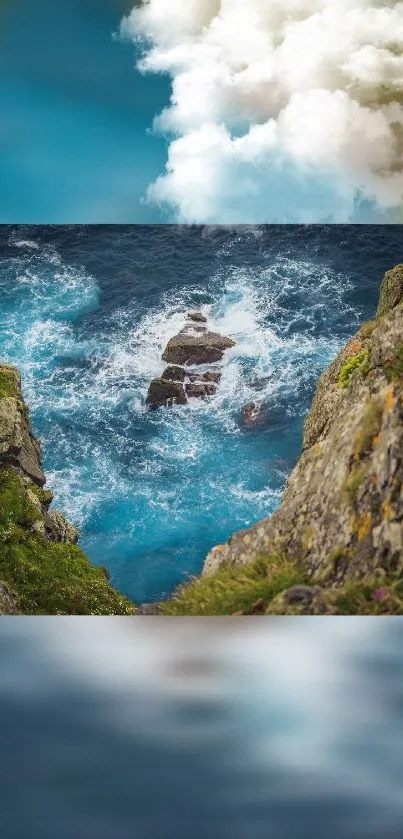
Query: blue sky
point(74, 145)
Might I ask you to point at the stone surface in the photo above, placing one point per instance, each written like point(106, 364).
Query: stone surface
point(164, 392)
point(206, 348)
point(341, 514)
point(8, 603)
point(254, 416)
point(200, 390)
point(197, 317)
point(59, 529)
point(18, 446)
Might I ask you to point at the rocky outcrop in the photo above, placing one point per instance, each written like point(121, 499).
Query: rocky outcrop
point(340, 522)
point(193, 346)
point(42, 570)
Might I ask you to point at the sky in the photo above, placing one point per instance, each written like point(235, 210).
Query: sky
point(75, 114)
point(209, 111)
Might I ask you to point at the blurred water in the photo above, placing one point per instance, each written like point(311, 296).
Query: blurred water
point(86, 312)
point(115, 728)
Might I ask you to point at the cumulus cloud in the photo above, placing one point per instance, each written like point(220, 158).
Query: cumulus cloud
point(281, 110)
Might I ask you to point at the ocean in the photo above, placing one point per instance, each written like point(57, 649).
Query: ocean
point(86, 312)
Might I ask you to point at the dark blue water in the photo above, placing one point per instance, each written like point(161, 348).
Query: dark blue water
point(86, 312)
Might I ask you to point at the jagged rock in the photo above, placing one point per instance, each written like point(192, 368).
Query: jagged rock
point(18, 446)
point(391, 290)
point(165, 392)
point(200, 390)
point(198, 317)
point(8, 603)
point(59, 529)
point(189, 349)
point(192, 329)
point(174, 374)
point(341, 514)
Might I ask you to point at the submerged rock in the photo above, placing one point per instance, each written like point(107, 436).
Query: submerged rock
point(165, 392)
point(254, 416)
point(206, 348)
point(197, 317)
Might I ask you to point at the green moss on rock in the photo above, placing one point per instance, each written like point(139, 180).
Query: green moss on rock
point(9, 382)
point(45, 577)
point(354, 362)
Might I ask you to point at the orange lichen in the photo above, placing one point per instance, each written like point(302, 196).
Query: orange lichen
point(363, 525)
point(355, 346)
point(390, 401)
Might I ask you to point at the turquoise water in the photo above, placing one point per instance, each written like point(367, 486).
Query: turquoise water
point(86, 313)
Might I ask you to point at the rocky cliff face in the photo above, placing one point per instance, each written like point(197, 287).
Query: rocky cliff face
point(42, 571)
point(335, 545)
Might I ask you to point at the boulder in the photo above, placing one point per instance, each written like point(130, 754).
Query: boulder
point(197, 317)
point(165, 392)
point(174, 374)
point(206, 348)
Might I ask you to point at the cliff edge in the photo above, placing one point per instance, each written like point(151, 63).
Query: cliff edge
point(42, 570)
point(335, 545)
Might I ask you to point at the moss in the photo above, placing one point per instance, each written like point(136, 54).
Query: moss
point(48, 578)
point(235, 589)
point(353, 362)
point(45, 495)
point(394, 370)
point(369, 429)
point(9, 382)
point(354, 482)
point(367, 328)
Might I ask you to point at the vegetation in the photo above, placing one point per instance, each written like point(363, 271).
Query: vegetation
point(9, 382)
point(48, 578)
point(245, 590)
point(354, 362)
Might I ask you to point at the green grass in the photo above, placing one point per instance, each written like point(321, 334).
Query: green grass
point(235, 589)
point(353, 362)
point(48, 578)
point(369, 597)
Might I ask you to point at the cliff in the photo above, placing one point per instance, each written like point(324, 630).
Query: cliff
point(42, 570)
point(335, 545)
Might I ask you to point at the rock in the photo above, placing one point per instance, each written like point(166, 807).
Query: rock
point(148, 609)
point(191, 329)
point(189, 349)
point(8, 603)
point(165, 392)
point(174, 374)
point(254, 415)
point(59, 529)
point(299, 600)
point(210, 376)
point(200, 389)
point(391, 290)
point(18, 446)
point(198, 317)
point(341, 515)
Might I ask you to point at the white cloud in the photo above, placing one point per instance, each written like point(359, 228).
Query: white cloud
point(281, 110)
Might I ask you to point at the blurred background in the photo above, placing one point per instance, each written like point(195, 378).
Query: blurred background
point(222, 729)
point(74, 141)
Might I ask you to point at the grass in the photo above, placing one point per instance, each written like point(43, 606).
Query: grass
point(353, 362)
point(235, 589)
point(48, 578)
point(354, 482)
